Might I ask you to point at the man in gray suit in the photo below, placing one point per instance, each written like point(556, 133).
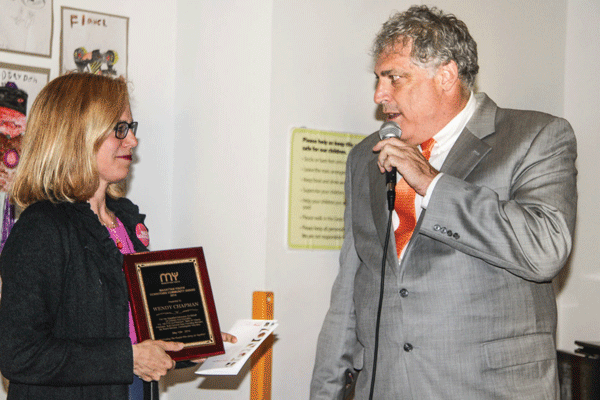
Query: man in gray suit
point(468, 307)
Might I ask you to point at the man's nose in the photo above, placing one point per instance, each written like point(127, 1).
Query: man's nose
point(382, 95)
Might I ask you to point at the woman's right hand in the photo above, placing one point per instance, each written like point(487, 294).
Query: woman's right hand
point(150, 360)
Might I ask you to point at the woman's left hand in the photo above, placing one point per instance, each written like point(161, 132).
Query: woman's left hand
point(150, 360)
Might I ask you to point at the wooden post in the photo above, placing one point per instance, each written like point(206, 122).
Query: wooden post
point(262, 359)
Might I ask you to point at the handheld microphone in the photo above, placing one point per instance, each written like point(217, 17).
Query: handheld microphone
point(388, 130)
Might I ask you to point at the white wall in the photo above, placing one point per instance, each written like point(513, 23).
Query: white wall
point(221, 160)
point(579, 300)
point(219, 84)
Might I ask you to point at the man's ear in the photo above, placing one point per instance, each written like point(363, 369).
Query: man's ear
point(448, 74)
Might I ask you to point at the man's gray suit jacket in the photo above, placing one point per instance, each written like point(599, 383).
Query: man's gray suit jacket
point(470, 312)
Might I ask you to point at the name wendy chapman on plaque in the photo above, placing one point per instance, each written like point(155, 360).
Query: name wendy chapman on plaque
point(171, 299)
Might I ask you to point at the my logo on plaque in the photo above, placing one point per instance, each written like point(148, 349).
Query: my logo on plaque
point(169, 277)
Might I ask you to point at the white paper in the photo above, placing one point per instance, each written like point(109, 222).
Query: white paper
point(250, 334)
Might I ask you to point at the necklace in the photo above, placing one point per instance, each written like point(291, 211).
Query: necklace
point(112, 221)
point(116, 237)
point(123, 245)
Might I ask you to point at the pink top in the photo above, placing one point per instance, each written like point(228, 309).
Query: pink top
point(119, 235)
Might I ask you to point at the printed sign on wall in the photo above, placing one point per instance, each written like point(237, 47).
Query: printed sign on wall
point(317, 174)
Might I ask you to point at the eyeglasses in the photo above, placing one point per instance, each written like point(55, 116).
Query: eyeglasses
point(123, 127)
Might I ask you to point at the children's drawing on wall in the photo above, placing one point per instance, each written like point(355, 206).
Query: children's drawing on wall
point(94, 61)
point(13, 106)
point(26, 26)
point(18, 87)
point(93, 42)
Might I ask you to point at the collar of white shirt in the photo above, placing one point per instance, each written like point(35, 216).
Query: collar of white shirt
point(444, 140)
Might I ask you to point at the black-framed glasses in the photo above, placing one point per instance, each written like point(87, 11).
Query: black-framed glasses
point(123, 127)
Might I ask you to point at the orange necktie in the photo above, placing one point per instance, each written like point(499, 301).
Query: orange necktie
point(405, 205)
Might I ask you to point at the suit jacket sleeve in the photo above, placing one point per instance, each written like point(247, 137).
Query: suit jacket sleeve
point(337, 340)
point(33, 270)
point(525, 223)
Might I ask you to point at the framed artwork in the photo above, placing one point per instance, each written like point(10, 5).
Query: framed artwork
point(31, 80)
point(93, 42)
point(19, 85)
point(26, 27)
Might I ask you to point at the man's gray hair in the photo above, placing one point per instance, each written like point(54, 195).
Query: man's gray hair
point(436, 39)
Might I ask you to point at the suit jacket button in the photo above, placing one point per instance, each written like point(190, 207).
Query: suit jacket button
point(443, 230)
point(436, 227)
point(449, 233)
point(408, 347)
point(456, 236)
point(404, 293)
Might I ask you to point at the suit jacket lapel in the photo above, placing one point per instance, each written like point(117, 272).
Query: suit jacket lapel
point(464, 155)
point(469, 148)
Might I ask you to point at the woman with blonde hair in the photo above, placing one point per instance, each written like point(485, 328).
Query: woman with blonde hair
point(63, 317)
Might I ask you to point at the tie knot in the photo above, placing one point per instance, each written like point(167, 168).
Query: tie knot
point(426, 147)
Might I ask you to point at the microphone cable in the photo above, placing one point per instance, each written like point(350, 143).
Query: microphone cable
point(381, 289)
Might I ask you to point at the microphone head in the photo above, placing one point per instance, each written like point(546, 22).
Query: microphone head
point(389, 129)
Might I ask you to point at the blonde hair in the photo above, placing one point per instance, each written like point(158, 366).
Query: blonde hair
point(69, 120)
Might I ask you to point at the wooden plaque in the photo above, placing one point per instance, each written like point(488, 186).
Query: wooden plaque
point(171, 299)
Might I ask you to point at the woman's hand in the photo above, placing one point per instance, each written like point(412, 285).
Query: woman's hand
point(227, 337)
point(150, 360)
